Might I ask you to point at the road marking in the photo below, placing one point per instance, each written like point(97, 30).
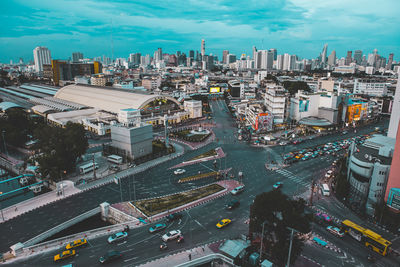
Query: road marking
point(127, 250)
point(130, 259)
point(119, 244)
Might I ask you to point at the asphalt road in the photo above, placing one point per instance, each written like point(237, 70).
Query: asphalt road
point(198, 225)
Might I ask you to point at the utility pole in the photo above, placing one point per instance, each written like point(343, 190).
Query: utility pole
point(262, 240)
point(290, 246)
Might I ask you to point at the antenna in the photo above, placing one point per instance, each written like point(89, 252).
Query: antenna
point(112, 43)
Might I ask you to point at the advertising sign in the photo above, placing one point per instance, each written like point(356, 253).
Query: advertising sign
point(215, 89)
point(303, 105)
point(394, 198)
point(264, 122)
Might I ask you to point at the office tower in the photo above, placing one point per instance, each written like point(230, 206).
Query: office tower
point(41, 55)
point(21, 61)
point(332, 58)
point(323, 55)
point(135, 58)
point(203, 48)
point(231, 58)
point(267, 59)
point(258, 59)
point(76, 56)
point(358, 56)
point(197, 55)
point(191, 54)
point(292, 62)
point(224, 56)
point(371, 59)
point(254, 53)
point(348, 58)
point(279, 62)
point(274, 52)
point(178, 53)
point(395, 115)
point(390, 61)
point(286, 61)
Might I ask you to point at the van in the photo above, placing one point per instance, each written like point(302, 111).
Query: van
point(325, 190)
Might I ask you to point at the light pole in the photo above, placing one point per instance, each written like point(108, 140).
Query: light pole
point(262, 240)
point(1, 208)
point(290, 245)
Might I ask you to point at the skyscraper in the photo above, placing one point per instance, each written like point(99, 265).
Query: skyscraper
point(76, 56)
point(254, 54)
point(225, 53)
point(279, 62)
point(332, 58)
point(286, 61)
point(358, 56)
point(348, 58)
point(203, 48)
point(191, 53)
point(158, 56)
point(323, 55)
point(274, 52)
point(41, 55)
point(390, 61)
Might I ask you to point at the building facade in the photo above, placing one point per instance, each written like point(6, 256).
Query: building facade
point(275, 99)
point(370, 87)
point(41, 55)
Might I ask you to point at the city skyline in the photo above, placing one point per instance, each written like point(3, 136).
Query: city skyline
point(292, 27)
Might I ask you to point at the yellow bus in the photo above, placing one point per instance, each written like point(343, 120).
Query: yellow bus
point(369, 238)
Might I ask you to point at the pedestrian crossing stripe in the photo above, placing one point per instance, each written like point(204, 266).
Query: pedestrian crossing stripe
point(293, 177)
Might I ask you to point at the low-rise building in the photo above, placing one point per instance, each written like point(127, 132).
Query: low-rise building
point(194, 107)
point(370, 87)
point(275, 99)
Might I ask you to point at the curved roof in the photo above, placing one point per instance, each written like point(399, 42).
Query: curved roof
point(108, 99)
point(6, 105)
point(314, 121)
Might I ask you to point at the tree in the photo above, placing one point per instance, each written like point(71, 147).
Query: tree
point(61, 148)
point(14, 123)
point(342, 188)
point(277, 212)
point(294, 86)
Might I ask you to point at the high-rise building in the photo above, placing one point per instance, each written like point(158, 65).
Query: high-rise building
point(395, 116)
point(279, 62)
point(203, 48)
point(191, 54)
point(323, 55)
point(371, 59)
point(332, 58)
point(231, 58)
point(358, 56)
point(390, 61)
point(76, 56)
point(41, 55)
point(135, 58)
point(286, 61)
point(348, 58)
point(254, 54)
point(225, 53)
point(158, 56)
point(274, 52)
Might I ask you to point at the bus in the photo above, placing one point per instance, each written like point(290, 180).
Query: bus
point(88, 167)
point(115, 159)
point(367, 237)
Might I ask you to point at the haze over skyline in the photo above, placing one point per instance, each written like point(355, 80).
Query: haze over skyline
point(298, 27)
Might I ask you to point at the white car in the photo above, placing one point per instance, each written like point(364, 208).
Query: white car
point(117, 237)
point(237, 190)
point(329, 173)
point(179, 171)
point(171, 235)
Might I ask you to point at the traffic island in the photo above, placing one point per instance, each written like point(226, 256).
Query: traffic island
point(212, 154)
point(199, 176)
point(153, 206)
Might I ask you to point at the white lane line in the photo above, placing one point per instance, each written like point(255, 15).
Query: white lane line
point(119, 244)
point(127, 250)
point(130, 259)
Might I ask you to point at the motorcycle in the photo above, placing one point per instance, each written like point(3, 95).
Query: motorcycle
point(180, 239)
point(163, 246)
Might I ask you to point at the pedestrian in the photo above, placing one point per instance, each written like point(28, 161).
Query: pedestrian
point(190, 256)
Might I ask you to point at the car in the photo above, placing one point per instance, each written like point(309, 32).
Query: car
point(110, 256)
point(174, 217)
point(323, 217)
point(117, 237)
point(222, 223)
point(179, 171)
point(233, 204)
point(76, 243)
point(277, 185)
point(158, 227)
point(283, 143)
point(328, 174)
point(335, 230)
point(237, 190)
point(171, 235)
point(64, 255)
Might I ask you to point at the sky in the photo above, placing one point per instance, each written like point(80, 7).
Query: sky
point(298, 27)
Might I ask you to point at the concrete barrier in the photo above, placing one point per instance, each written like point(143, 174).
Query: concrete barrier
point(206, 259)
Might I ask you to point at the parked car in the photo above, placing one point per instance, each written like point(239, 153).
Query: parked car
point(237, 190)
point(335, 230)
point(222, 223)
point(158, 227)
point(171, 235)
point(64, 255)
point(76, 243)
point(174, 217)
point(110, 256)
point(277, 185)
point(328, 174)
point(117, 237)
point(233, 204)
point(179, 171)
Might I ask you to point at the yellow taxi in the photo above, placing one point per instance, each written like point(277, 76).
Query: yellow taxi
point(76, 243)
point(64, 255)
point(223, 223)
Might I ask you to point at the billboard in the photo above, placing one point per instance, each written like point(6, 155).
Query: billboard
point(354, 112)
point(215, 89)
point(393, 200)
point(264, 122)
point(303, 105)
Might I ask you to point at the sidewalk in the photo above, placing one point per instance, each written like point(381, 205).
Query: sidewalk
point(39, 201)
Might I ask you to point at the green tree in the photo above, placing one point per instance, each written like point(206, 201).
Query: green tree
point(15, 123)
point(294, 86)
point(342, 188)
point(61, 147)
point(277, 212)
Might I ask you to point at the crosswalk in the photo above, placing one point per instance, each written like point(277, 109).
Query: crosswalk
point(293, 177)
